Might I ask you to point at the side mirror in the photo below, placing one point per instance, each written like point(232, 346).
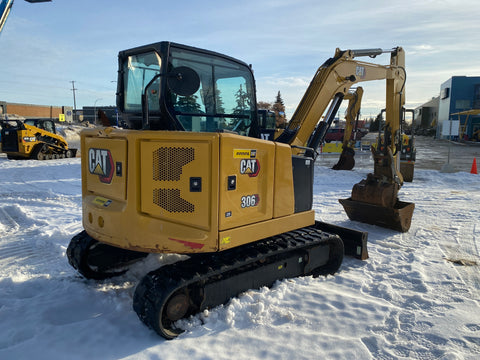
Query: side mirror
point(183, 81)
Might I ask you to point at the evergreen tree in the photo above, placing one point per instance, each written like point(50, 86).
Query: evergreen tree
point(242, 108)
point(375, 124)
point(219, 102)
point(279, 109)
point(243, 101)
point(279, 99)
point(188, 104)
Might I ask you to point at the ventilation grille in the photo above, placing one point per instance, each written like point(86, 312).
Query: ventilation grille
point(170, 200)
point(169, 161)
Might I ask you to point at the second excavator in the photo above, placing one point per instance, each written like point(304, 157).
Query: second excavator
point(193, 175)
point(347, 157)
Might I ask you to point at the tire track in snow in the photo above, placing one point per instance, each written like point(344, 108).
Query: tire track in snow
point(7, 223)
point(419, 300)
point(21, 243)
point(463, 250)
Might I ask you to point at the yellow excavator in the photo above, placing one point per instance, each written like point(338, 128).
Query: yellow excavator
point(192, 175)
point(347, 160)
point(408, 151)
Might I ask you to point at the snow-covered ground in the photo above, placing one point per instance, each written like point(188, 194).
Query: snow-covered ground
point(416, 297)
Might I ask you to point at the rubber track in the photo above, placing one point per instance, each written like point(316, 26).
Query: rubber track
point(84, 250)
point(157, 287)
point(57, 151)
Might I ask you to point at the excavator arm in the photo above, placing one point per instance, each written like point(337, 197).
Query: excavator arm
point(332, 83)
point(353, 109)
point(373, 200)
point(346, 160)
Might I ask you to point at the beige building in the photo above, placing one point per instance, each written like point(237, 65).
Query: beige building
point(36, 111)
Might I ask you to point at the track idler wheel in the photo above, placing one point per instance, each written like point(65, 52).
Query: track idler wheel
point(159, 304)
point(39, 153)
point(177, 307)
point(346, 161)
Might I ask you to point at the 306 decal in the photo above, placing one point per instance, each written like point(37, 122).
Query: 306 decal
point(249, 201)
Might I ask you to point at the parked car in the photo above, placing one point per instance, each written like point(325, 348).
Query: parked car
point(336, 134)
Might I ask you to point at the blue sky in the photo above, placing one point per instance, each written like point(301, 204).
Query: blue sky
point(43, 47)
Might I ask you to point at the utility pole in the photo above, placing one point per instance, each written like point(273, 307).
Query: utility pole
point(74, 101)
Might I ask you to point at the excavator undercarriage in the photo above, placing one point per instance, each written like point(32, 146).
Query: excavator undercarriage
point(206, 280)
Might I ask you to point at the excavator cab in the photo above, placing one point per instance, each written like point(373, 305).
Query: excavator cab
point(267, 123)
point(167, 86)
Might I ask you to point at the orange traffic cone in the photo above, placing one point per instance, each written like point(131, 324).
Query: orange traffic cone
point(474, 167)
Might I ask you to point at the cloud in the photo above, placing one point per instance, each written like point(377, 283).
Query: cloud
point(285, 41)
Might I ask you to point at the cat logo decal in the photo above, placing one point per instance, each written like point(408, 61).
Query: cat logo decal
point(251, 167)
point(100, 162)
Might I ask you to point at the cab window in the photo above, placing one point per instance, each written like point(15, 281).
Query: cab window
point(224, 100)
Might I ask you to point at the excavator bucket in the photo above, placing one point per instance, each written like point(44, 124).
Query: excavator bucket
point(346, 161)
point(397, 218)
point(373, 191)
point(407, 168)
point(376, 203)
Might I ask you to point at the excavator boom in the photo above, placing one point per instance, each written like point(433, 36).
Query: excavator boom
point(5, 8)
point(332, 83)
point(328, 88)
